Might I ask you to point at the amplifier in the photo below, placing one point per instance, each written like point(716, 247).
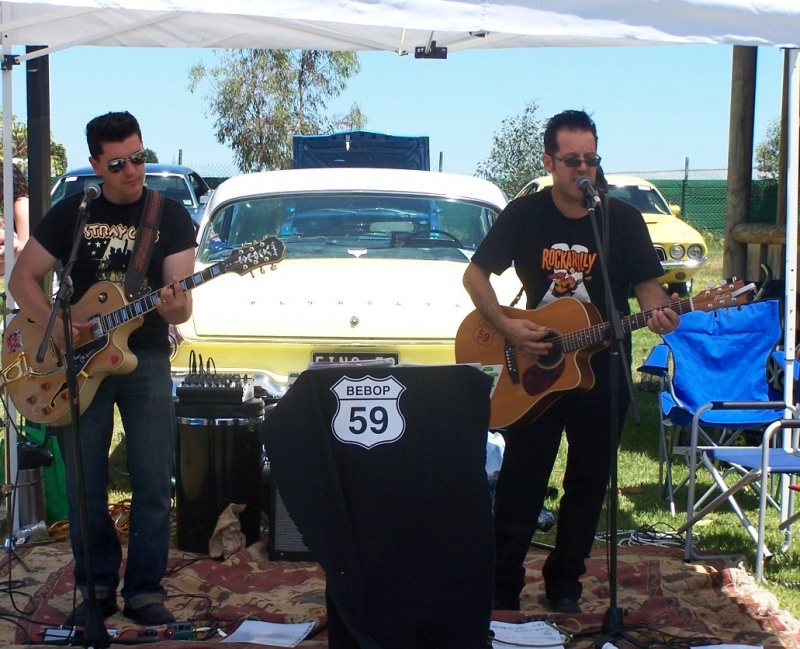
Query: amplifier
point(206, 387)
point(285, 541)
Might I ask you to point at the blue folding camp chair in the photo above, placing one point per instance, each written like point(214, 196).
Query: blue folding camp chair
point(714, 357)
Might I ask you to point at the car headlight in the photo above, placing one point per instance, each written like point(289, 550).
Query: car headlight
point(677, 251)
point(695, 252)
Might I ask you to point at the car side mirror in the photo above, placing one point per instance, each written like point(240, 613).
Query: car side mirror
point(675, 209)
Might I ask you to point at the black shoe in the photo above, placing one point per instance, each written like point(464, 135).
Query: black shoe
point(107, 607)
point(153, 614)
point(564, 605)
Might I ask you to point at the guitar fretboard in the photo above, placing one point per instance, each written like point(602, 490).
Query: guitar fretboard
point(244, 260)
point(147, 303)
point(600, 333)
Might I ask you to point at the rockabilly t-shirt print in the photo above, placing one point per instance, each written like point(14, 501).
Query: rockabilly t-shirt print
point(568, 268)
point(110, 247)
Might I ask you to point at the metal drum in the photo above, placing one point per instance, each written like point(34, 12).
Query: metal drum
point(219, 462)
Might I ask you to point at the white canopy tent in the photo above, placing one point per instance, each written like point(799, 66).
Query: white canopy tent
point(402, 26)
point(398, 24)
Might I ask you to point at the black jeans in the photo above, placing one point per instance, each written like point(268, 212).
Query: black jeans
point(528, 460)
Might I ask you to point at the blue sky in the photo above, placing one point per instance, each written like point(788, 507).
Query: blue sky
point(654, 106)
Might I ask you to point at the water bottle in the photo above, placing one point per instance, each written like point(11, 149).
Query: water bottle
point(33, 532)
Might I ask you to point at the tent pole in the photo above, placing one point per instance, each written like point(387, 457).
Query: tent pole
point(791, 180)
point(9, 422)
point(790, 305)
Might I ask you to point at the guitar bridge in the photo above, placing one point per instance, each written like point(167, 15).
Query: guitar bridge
point(14, 371)
point(510, 357)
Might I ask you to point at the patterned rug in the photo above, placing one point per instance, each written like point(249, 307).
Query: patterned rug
point(659, 594)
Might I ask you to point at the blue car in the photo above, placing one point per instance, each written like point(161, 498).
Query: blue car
point(180, 183)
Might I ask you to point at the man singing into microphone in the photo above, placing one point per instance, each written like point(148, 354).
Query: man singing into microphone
point(115, 219)
point(548, 237)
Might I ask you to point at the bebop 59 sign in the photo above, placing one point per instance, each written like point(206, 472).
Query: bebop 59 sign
point(368, 411)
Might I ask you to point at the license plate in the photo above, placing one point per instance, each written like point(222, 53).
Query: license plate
point(345, 357)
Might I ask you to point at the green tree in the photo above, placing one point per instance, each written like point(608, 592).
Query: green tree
point(260, 98)
point(19, 139)
point(152, 156)
point(768, 151)
point(516, 154)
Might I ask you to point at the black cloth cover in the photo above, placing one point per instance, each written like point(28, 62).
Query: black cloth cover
point(383, 472)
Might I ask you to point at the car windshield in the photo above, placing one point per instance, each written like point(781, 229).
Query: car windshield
point(172, 185)
point(642, 197)
point(382, 225)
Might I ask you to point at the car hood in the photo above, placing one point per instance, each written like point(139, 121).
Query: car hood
point(339, 299)
point(664, 227)
point(361, 149)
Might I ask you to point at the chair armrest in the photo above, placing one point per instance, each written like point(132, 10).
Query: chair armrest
point(656, 362)
point(780, 359)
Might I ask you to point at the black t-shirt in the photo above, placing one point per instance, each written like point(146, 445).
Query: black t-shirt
point(555, 256)
point(107, 245)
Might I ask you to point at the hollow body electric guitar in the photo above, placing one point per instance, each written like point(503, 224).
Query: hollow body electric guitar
point(40, 391)
point(525, 387)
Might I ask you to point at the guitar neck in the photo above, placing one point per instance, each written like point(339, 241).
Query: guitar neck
point(242, 260)
point(147, 303)
point(602, 332)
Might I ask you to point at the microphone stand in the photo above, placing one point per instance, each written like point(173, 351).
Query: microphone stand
point(95, 633)
point(612, 620)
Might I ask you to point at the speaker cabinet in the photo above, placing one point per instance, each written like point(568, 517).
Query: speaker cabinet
point(285, 541)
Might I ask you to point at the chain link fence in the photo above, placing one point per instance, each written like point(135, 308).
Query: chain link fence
point(214, 173)
point(702, 195)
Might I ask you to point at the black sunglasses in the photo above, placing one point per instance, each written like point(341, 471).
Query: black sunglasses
point(575, 162)
point(118, 164)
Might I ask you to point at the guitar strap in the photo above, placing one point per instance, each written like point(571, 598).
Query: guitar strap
point(143, 247)
point(606, 221)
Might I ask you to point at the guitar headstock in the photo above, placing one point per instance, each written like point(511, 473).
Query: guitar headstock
point(729, 293)
point(269, 250)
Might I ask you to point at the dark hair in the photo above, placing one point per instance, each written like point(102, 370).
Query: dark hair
point(20, 184)
point(571, 120)
point(111, 127)
point(600, 179)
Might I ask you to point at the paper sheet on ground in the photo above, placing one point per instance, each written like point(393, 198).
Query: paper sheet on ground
point(530, 634)
point(269, 633)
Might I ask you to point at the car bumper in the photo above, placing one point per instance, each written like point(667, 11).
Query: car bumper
point(274, 364)
point(680, 271)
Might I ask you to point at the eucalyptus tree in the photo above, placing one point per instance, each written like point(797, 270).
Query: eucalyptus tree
point(259, 99)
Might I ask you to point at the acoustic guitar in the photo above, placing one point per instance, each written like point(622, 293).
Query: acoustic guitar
point(40, 391)
point(525, 387)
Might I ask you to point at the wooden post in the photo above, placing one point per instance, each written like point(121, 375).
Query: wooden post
point(740, 156)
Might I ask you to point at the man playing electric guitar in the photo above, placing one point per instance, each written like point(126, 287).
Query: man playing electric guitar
point(547, 236)
point(143, 395)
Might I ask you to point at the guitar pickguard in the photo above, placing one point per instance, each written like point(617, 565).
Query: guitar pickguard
point(537, 379)
point(85, 353)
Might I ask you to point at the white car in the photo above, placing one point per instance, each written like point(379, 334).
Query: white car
point(372, 268)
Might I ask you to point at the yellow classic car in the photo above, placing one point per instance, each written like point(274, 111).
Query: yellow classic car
point(372, 268)
point(679, 246)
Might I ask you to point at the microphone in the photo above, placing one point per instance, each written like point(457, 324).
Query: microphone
point(91, 192)
point(585, 185)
